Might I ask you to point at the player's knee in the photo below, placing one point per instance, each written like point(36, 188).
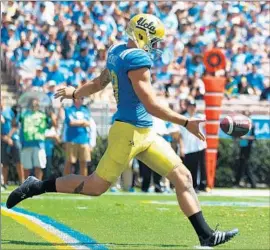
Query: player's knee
point(97, 192)
point(181, 178)
point(188, 182)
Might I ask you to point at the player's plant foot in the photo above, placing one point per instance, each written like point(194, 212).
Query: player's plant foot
point(218, 238)
point(28, 189)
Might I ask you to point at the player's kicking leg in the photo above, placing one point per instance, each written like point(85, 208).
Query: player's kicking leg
point(162, 159)
point(188, 201)
point(92, 185)
point(112, 164)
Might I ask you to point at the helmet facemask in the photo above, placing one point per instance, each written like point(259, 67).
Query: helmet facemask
point(151, 46)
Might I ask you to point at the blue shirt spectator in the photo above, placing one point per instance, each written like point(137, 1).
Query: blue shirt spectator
point(26, 59)
point(239, 59)
point(77, 76)
point(10, 33)
point(55, 75)
point(4, 34)
point(169, 19)
point(8, 122)
point(40, 78)
point(255, 79)
point(164, 75)
point(86, 57)
point(77, 133)
point(194, 65)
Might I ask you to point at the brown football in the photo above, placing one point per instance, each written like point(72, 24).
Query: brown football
point(236, 125)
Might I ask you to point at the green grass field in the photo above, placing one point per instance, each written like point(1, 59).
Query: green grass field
point(140, 221)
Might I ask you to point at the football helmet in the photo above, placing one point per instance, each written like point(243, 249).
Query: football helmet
point(146, 31)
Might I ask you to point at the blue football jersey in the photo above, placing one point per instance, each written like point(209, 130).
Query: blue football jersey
point(120, 61)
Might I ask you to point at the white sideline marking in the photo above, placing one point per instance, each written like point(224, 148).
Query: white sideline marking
point(215, 203)
point(65, 237)
point(162, 208)
point(82, 208)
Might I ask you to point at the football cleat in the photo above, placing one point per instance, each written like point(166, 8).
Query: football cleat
point(24, 191)
point(218, 238)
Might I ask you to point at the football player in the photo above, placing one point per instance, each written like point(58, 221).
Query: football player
point(128, 69)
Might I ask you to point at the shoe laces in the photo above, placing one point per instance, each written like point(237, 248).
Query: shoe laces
point(216, 229)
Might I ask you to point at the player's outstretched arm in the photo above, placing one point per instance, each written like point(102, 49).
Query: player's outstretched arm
point(87, 89)
point(141, 83)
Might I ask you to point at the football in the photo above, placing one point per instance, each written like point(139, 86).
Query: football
point(236, 125)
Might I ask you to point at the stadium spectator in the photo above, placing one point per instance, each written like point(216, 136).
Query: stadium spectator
point(69, 44)
point(86, 57)
point(255, 79)
point(244, 168)
point(55, 74)
point(192, 150)
point(51, 89)
point(77, 136)
point(10, 142)
point(45, 13)
point(11, 8)
point(40, 78)
point(51, 57)
point(51, 138)
point(10, 39)
point(194, 65)
point(77, 76)
point(33, 127)
point(244, 88)
point(25, 66)
point(265, 94)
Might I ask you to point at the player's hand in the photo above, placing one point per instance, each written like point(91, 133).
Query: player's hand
point(194, 128)
point(64, 93)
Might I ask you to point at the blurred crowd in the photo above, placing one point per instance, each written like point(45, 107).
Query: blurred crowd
point(66, 42)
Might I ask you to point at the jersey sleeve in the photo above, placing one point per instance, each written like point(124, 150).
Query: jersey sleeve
point(137, 59)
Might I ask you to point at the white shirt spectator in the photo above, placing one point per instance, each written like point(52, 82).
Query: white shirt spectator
point(11, 8)
point(191, 142)
point(47, 15)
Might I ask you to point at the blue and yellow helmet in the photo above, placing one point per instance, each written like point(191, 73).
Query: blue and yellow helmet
point(146, 31)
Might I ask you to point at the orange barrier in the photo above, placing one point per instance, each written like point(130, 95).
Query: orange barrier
point(211, 128)
point(214, 87)
point(212, 142)
point(212, 114)
point(211, 162)
point(214, 84)
point(213, 99)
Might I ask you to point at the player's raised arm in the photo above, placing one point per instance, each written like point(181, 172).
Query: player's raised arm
point(87, 89)
point(141, 83)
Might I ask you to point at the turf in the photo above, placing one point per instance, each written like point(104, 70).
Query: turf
point(132, 222)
